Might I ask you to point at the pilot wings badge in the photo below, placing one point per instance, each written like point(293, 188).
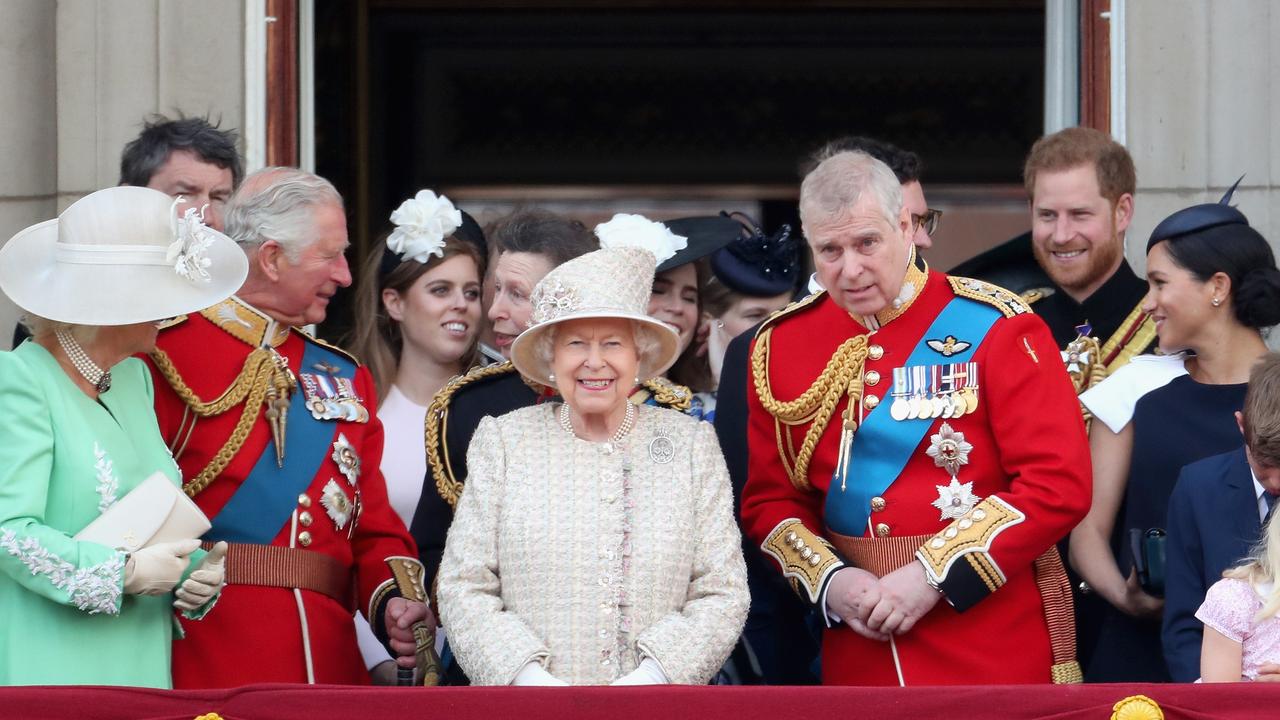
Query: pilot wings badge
point(948, 346)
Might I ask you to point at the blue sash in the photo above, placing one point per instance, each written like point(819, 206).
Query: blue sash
point(886, 443)
point(266, 499)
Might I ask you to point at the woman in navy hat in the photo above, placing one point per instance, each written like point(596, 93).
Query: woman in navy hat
point(1213, 286)
point(752, 277)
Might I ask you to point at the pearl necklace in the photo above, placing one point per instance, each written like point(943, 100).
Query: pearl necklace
point(628, 421)
point(100, 379)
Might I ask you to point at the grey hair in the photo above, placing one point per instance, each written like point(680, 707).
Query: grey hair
point(40, 326)
point(646, 339)
point(276, 203)
point(832, 188)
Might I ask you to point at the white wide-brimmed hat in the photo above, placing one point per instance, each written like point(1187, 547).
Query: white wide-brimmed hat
point(612, 282)
point(120, 256)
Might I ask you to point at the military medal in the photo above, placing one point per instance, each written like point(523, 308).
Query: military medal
point(330, 397)
point(900, 408)
point(950, 451)
point(955, 500)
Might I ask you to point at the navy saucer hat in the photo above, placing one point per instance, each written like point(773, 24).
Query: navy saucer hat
point(704, 234)
point(1199, 217)
point(758, 265)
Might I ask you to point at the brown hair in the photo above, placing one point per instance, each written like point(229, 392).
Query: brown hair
point(1262, 411)
point(1076, 146)
point(691, 369)
point(532, 230)
point(375, 339)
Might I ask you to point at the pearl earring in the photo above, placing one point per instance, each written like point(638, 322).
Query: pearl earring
point(551, 377)
point(1217, 302)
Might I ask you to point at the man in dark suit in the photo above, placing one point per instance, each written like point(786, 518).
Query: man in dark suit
point(1216, 514)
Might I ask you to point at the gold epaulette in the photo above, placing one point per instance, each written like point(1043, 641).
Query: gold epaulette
point(1003, 300)
point(791, 309)
point(666, 393)
point(449, 487)
point(245, 323)
point(1034, 294)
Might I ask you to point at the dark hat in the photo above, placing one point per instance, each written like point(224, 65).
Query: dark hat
point(756, 264)
point(1199, 217)
point(705, 235)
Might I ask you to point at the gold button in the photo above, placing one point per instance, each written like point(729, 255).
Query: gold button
point(875, 352)
point(304, 501)
point(873, 377)
point(304, 517)
point(870, 402)
point(882, 530)
point(877, 504)
point(304, 538)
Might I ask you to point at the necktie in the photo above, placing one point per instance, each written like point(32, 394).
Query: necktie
point(1271, 505)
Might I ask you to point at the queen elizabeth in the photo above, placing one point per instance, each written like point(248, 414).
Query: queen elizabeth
point(595, 543)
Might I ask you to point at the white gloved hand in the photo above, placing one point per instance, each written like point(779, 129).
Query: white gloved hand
point(156, 569)
point(648, 672)
point(203, 582)
point(532, 674)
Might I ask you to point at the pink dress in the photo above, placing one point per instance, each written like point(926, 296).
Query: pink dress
point(1229, 607)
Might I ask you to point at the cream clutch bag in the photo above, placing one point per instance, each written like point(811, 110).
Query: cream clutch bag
point(155, 511)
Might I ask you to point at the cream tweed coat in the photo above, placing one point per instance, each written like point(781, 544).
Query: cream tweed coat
point(588, 558)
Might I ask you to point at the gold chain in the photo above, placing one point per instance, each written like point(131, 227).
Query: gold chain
point(816, 405)
point(249, 387)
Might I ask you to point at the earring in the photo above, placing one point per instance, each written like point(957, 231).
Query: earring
point(1217, 302)
point(551, 377)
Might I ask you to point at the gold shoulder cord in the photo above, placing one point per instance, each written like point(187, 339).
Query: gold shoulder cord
point(842, 376)
point(262, 380)
point(450, 488)
point(669, 394)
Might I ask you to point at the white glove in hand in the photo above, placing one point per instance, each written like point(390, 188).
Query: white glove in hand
point(532, 674)
point(648, 672)
point(156, 569)
point(203, 582)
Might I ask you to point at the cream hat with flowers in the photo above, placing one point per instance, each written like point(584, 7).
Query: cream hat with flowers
point(120, 256)
point(612, 282)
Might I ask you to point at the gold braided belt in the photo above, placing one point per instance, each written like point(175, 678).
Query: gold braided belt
point(265, 379)
point(817, 405)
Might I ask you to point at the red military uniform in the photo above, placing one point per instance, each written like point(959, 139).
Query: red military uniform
point(310, 528)
point(1021, 477)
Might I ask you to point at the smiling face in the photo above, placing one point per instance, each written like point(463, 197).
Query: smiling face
point(860, 257)
point(198, 182)
point(514, 277)
point(674, 300)
point(1179, 303)
point(1077, 236)
point(439, 314)
point(302, 290)
point(595, 362)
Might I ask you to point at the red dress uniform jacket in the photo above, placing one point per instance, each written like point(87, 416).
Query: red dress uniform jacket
point(259, 633)
point(1029, 465)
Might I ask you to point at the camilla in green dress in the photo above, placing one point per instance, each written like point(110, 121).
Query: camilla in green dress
point(65, 459)
point(78, 433)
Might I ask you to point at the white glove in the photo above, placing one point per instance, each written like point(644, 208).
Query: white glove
point(532, 674)
point(203, 582)
point(156, 569)
point(648, 672)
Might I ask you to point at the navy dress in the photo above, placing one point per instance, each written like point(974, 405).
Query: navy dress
point(1174, 425)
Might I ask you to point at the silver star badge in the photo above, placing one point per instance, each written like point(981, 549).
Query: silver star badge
point(949, 449)
point(346, 458)
point(955, 500)
point(336, 504)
